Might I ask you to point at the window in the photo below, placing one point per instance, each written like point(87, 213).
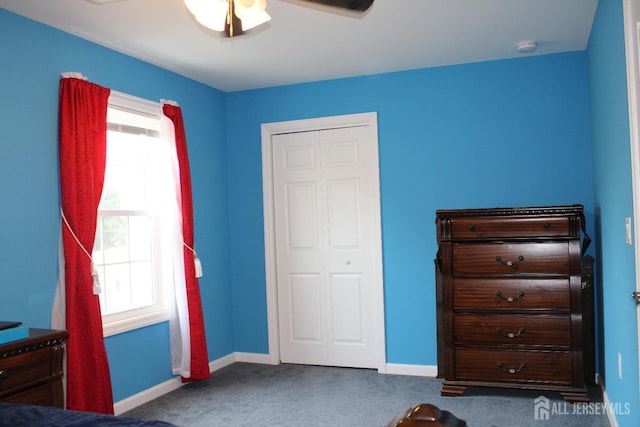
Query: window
point(135, 233)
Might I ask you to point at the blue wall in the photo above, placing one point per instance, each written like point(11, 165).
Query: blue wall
point(613, 202)
point(504, 133)
point(32, 58)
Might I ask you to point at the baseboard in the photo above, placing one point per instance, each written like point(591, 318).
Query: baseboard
point(175, 383)
point(263, 359)
point(147, 395)
point(414, 370)
point(611, 416)
point(222, 362)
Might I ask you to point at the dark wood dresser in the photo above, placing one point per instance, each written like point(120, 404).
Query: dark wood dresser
point(31, 369)
point(513, 310)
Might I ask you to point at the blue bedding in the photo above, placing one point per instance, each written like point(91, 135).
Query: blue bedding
point(15, 415)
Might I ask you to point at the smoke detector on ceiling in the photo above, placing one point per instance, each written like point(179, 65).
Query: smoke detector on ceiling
point(527, 46)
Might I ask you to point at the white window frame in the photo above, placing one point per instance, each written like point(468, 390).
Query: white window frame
point(128, 320)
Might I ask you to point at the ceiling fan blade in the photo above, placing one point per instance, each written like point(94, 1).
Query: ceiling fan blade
point(360, 5)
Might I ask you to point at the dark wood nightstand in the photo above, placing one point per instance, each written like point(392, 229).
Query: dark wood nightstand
point(31, 369)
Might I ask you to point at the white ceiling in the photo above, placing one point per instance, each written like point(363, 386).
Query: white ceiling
point(304, 42)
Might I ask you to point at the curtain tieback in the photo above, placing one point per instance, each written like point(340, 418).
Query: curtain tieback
point(97, 289)
point(196, 261)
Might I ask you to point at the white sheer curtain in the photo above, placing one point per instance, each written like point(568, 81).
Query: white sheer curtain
point(172, 226)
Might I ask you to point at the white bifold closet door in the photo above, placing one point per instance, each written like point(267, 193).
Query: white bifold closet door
point(323, 200)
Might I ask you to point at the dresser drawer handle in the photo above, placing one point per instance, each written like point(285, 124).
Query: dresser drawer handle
point(510, 263)
point(510, 299)
point(511, 370)
point(509, 334)
point(4, 375)
point(472, 228)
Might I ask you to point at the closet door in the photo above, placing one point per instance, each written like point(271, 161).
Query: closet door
point(323, 200)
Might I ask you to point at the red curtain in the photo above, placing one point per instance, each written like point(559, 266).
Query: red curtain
point(199, 357)
point(82, 151)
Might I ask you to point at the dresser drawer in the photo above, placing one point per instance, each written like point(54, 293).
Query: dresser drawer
point(513, 329)
point(511, 258)
point(42, 395)
point(549, 367)
point(499, 227)
point(24, 369)
point(511, 294)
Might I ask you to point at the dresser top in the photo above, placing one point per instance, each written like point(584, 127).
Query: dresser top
point(38, 338)
point(519, 211)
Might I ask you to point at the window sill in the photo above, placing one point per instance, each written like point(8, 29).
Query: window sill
point(130, 324)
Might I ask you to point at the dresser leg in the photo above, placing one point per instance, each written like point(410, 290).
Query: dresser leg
point(452, 390)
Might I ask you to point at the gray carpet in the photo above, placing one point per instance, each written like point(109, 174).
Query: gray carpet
point(285, 395)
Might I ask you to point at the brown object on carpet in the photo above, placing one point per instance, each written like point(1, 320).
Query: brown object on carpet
point(424, 415)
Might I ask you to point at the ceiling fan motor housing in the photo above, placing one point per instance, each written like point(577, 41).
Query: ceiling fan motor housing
point(360, 5)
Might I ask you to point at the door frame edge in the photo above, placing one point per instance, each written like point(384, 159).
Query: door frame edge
point(632, 43)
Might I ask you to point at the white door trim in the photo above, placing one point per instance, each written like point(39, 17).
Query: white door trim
point(269, 129)
point(632, 33)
